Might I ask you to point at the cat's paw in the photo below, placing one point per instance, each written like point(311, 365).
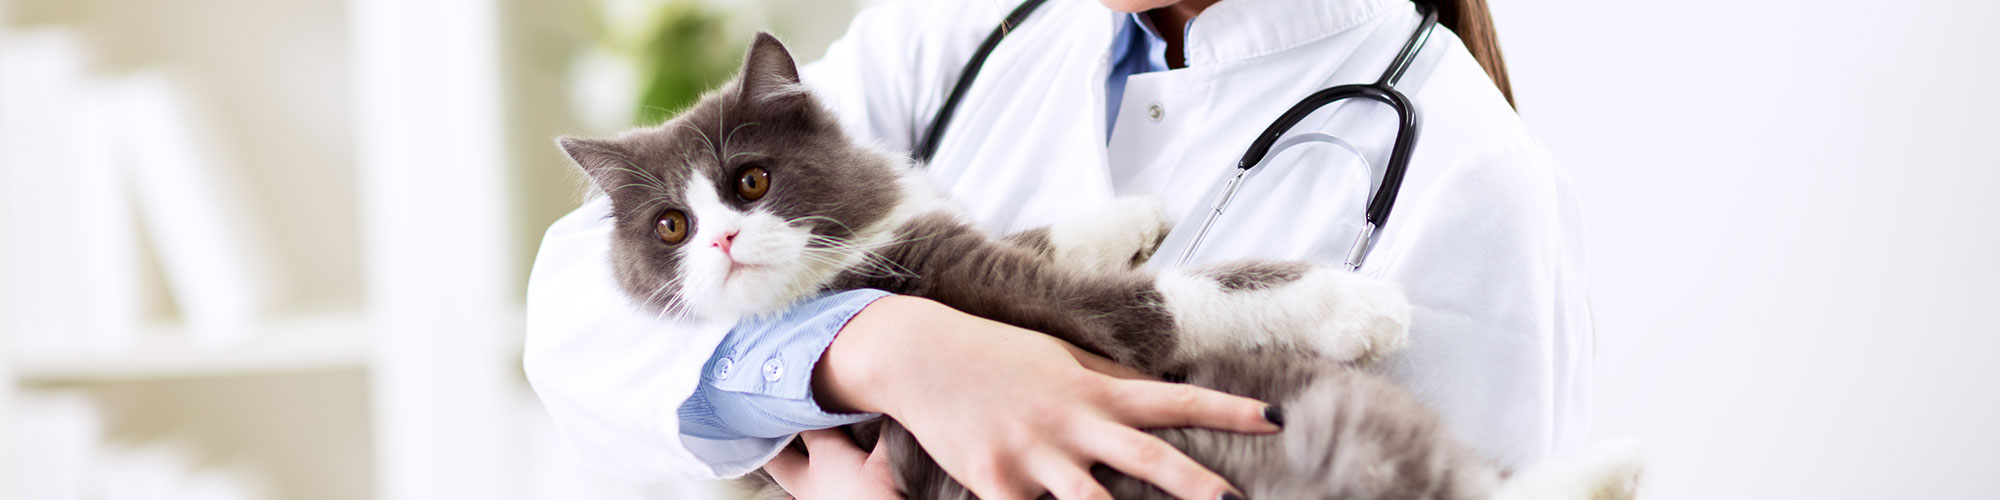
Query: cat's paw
point(1338, 314)
point(1122, 236)
point(1362, 318)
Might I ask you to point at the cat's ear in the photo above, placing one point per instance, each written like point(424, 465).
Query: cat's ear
point(600, 159)
point(769, 73)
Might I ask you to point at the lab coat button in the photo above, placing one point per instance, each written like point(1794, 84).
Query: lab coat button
point(1156, 111)
point(722, 367)
point(773, 370)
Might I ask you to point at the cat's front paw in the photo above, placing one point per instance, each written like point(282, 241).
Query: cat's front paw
point(1122, 236)
point(1329, 311)
point(1362, 319)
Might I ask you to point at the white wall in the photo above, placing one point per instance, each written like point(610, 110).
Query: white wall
point(1793, 234)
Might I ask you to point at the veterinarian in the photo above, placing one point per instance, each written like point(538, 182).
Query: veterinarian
point(1086, 102)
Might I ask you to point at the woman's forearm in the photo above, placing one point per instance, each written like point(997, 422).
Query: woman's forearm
point(852, 374)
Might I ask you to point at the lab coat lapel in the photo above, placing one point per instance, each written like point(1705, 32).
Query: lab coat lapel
point(1242, 75)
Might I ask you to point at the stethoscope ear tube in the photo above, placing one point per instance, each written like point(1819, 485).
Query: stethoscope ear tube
point(1359, 252)
point(1214, 211)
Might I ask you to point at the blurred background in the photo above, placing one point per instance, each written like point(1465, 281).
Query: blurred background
point(276, 250)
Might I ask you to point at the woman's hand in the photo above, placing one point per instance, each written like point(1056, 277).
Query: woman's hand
point(1012, 413)
point(836, 468)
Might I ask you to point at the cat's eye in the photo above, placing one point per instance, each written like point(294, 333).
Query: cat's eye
point(673, 226)
point(753, 182)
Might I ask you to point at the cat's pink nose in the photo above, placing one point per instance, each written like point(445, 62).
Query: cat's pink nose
point(724, 241)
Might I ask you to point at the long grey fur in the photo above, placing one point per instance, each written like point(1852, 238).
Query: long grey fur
point(1349, 434)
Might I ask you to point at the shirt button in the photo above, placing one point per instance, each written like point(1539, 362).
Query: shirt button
point(773, 370)
point(722, 367)
point(1156, 111)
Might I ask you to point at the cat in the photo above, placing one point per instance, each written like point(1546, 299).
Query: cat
point(755, 198)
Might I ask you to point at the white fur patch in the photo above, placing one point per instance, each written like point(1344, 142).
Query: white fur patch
point(1109, 240)
point(761, 271)
point(1340, 314)
point(1609, 471)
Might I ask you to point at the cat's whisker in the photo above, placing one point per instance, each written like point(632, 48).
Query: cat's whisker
point(831, 243)
point(664, 288)
point(834, 262)
point(731, 134)
point(650, 204)
point(866, 267)
point(868, 250)
point(865, 252)
point(836, 254)
point(869, 258)
point(837, 222)
point(676, 304)
point(703, 135)
point(629, 167)
point(632, 185)
point(654, 181)
point(720, 118)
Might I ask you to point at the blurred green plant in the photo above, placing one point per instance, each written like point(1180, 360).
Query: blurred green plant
point(679, 49)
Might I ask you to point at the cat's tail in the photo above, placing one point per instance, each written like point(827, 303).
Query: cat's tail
point(1610, 471)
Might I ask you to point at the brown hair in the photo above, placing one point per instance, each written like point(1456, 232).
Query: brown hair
point(1474, 24)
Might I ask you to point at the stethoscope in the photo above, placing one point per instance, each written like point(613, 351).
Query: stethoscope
point(1383, 90)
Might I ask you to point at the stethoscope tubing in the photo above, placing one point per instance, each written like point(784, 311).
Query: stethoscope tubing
point(927, 147)
point(1381, 202)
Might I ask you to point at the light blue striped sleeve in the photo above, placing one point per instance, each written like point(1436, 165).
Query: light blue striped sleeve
point(756, 390)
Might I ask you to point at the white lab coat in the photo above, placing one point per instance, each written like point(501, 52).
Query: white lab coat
point(1485, 236)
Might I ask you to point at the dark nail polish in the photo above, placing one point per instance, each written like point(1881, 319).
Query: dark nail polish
point(1275, 416)
point(1229, 496)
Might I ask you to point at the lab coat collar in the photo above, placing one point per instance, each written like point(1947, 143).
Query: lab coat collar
point(1240, 29)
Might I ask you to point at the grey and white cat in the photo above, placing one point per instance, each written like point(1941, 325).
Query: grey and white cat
point(755, 198)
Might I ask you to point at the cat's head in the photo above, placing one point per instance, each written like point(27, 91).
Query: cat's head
point(751, 199)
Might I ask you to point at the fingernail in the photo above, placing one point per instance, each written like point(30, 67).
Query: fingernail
point(1229, 496)
point(1275, 416)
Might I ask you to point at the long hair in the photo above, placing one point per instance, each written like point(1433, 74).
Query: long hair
point(1474, 24)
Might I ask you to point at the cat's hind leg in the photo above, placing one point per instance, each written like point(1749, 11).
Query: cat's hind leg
point(1320, 308)
point(1608, 471)
point(1122, 236)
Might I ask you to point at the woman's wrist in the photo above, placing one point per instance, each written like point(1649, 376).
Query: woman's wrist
point(853, 373)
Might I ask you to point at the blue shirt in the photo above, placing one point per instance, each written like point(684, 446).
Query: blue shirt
point(758, 384)
point(1136, 49)
point(757, 387)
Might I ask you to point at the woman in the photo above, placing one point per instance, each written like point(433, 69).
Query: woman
point(1084, 103)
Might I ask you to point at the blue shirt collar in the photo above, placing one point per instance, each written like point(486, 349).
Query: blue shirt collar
point(1137, 34)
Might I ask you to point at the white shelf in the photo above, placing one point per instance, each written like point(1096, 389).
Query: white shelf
point(306, 343)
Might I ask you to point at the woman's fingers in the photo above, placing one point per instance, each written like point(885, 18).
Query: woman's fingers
point(1145, 403)
point(1150, 459)
point(789, 469)
point(832, 443)
point(831, 466)
point(1100, 364)
point(1065, 479)
point(879, 458)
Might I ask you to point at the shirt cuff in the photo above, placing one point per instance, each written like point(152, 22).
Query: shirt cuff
point(756, 389)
